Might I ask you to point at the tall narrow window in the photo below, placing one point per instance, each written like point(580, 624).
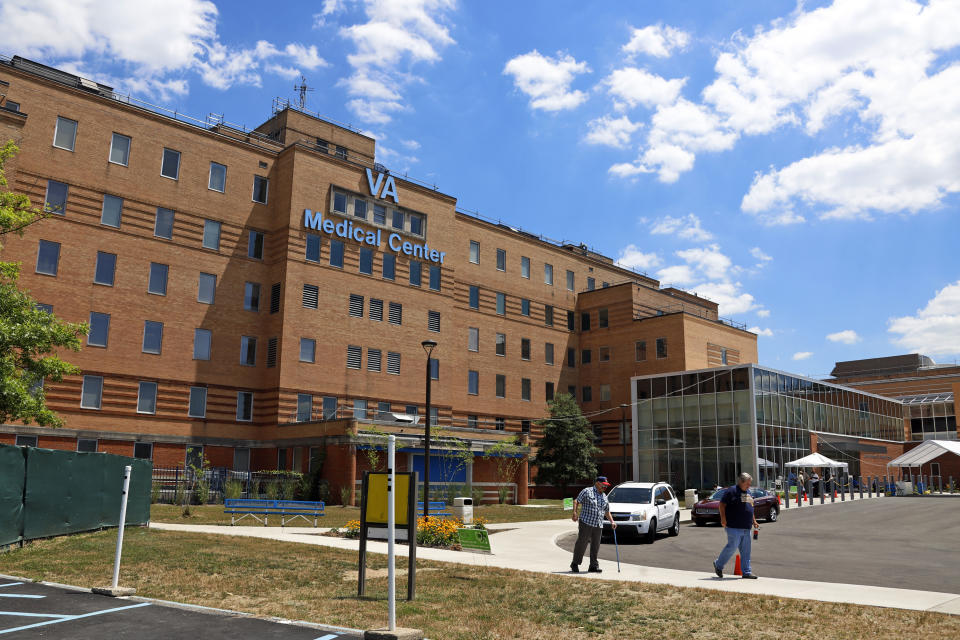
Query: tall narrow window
point(112, 211)
point(304, 407)
point(571, 357)
point(389, 268)
point(571, 321)
point(272, 350)
point(501, 344)
point(311, 296)
point(329, 408)
point(376, 309)
point(393, 363)
point(244, 406)
point(501, 260)
point(354, 356)
point(500, 424)
point(355, 308)
point(56, 198)
point(434, 369)
point(211, 235)
point(474, 297)
point(416, 224)
point(360, 208)
point(255, 245)
point(379, 214)
point(99, 329)
point(525, 267)
point(251, 296)
point(524, 348)
point(170, 165)
point(591, 284)
point(435, 277)
point(198, 403)
point(147, 397)
point(501, 388)
point(570, 282)
point(202, 339)
point(416, 273)
point(206, 288)
point(433, 321)
point(525, 389)
point(48, 257)
point(661, 348)
point(120, 149)
point(585, 321)
point(275, 297)
point(473, 382)
point(473, 339)
point(360, 409)
point(374, 360)
point(395, 314)
point(261, 187)
point(588, 394)
point(501, 304)
point(336, 253)
point(547, 315)
point(397, 221)
point(548, 391)
point(163, 226)
point(91, 392)
point(313, 248)
point(603, 354)
point(548, 274)
point(248, 351)
point(548, 353)
point(339, 202)
point(366, 261)
point(157, 282)
point(308, 350)
point(603, 320)
point(524, 307)
point(218, 177)
point(152, 337)
point(586, 356)
point(65, 135)
point(105, 268)
point(641, 350)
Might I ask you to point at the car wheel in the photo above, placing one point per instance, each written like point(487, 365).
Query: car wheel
point(774, 514)
point(651, 532)
point(699, 523)
point(675, 528)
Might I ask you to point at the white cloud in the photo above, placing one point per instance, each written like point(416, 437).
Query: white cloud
point(613, 132)
point(396, 35)
point(413, 145)
point(687, 227)
point(767, 333)
point(710, 261)
point(547, 80)
point(631, 257)
point(289, 73)
point(802, 355)
point(763, 313)
point(656, 40)
point(935, 329)
point(758, 253)
point(631, 87)
point(330, 7)
point(305, 57)
point(678, 275)
point(848, 336)
point(709, 273)
point(627, 170)
point(729, 295)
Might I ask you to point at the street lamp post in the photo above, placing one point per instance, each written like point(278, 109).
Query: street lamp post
point(623, 437)
point(428, 346)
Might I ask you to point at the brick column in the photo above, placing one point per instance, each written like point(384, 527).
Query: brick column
point(522, 486)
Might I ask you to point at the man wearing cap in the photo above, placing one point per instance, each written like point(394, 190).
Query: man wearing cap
point(589, 509)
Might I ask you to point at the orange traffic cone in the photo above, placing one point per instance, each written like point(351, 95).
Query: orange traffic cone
point(834, 494)
point(805, 498)
point(736, 569)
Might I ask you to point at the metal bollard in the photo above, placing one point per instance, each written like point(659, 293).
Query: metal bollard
point(843, 488)
point(786, 495)
point(821, 491)
point(869, 486)
point(940, 484)
point(860, 478)
point(833, 489)
point(799, 494)
point(950, 484)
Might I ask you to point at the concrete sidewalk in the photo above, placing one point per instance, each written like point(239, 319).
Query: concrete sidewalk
point(531, 546)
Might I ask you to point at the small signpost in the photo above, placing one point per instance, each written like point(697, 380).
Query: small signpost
point(568, 504)
point(474, 540)
point(374, 518)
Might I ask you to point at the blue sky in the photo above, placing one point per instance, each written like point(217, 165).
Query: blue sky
point(796, 162)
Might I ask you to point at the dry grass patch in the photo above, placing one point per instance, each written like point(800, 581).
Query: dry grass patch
point(453, 601)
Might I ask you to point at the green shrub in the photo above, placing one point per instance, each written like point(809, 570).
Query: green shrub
point(345, 495)
point(271, 490)
point(477, 494)
point(233, 489)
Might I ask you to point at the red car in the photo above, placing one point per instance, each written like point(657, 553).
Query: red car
point(765, 505)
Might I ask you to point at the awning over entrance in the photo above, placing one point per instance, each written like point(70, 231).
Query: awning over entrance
point(926, 452)
point(816, 460)
point(766, 464)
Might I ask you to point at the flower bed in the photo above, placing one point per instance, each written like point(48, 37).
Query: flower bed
point(435, 532)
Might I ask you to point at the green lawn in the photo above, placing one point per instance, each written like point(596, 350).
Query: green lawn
point(454, 602)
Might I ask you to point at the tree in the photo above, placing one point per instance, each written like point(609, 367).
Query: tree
point(28, 334)
point(508, 457)
point(566, 451)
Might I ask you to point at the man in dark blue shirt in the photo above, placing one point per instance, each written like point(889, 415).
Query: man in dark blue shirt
point(736, 518)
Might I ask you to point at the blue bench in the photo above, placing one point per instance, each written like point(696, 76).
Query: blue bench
point(438, 509)
point(286, 509)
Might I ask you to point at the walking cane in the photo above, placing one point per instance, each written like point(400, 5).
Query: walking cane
point(617, 547)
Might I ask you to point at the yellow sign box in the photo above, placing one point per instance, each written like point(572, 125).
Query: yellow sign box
point(377, 499)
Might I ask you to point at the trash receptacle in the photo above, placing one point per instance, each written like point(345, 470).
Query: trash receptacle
point(690, 498)
point(463, 509)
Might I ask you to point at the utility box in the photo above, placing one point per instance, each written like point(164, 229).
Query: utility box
point(690, 498)
point(463, 509)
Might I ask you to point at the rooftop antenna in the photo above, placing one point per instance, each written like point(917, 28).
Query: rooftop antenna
point(302, 88)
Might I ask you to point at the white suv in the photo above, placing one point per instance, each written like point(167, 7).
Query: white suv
point(644, 508)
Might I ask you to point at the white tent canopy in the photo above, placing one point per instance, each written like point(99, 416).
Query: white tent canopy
point(766, 464)
point(816, 460)
point(926, 452)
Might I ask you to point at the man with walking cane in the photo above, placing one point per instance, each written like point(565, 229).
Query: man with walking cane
point(589, 510)
point(736, 518)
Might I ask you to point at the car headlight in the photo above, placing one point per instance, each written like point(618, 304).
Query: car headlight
point(639, 516)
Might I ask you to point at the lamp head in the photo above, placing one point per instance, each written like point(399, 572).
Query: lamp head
point(429, 346)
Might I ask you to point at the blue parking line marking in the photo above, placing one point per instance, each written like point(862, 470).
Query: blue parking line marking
point(72, 618)
point(18, 595)
point(10, 584)
point(21, 614)
point(329, 636)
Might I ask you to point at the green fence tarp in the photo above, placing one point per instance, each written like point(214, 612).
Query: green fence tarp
point(12, 473)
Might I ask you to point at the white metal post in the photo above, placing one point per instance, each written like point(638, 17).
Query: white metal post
point(391, 533)
point(123, 518)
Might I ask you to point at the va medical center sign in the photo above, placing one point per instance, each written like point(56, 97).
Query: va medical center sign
point(345, 228)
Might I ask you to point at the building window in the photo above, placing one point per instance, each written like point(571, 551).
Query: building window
point(202, 339)
point(585, 321)
point(170, 165)
point(571, 357)
point(157, 281)
point(411, 410)
point(548, 274)
point(341, 152)
point(435, 274)
point(525, 267)
point(524, 426)
point(641, 350)
point(248, 351)
point(211, 235)
point(218, 177)
point(336, 253)
point(340, 202)
point(143, 450)
point(588, 394)
point(251, 296)
point(416, 273)
point(152, 337)
point(591, 284)
point(723, 355)
point(379, 215)
point(548, 391)
point(310, 299)
point(501, 304)
point(313, 248)
point(87, 445)
point(501, 260)
point(120, 149)
point(147, 398)
point(572, 391)
point(65, 135)
point(163, 226)
point(374, 358)
point(433, 321)
point(501, 348)
point(474, 252)
point(47, 308)
point(473, 339)
point(525, 389)
point(604, 393)
point(105, 269)
point(393, 363)
point(244, 406)
point(56, 199)
point(323, 146)
point(661, 348)
point(524, 348)
point(524, 307)
point(395, 313)
point(474, 295)
point(472, 422)
point(272, 352)
point(603, 320)
point(10, 105)
point(606, 284)
point(308, 350)
point(360, 208)
point(389, 268)
point(329, 408)
point(261, 188)
point(570, 283)
point(473, 383)
point(384, 409)
point(500, 423)
point(355, 309)
point(99, 329)
point(603, 354)
point(585, 356)
point(366, 261)
point(48, 257)
point(434, 369)
point(376, 309)
point(570, 320)
point(416, 224)
point(198, 403)
point(206, 288)
point(548, 353)
point(304, 407)
point(547, 315)
point(112, 211)
point(354, 357)
point(91, 392)
point(255, 245)
point(275, 297)
point(501, 385)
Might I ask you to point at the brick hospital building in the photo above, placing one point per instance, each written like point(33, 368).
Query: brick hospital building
point(262, 295)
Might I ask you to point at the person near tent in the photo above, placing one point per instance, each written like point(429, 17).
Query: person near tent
point(802, 478)
point(737, 518)
point(815, 482)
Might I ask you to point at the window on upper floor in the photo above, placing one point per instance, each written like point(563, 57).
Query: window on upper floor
point(416, 273)
point(48, 257)
point(395, 313)
point(585, 321)
point(251, 296)
point(524, 307)
point(416, 224)
point(65, 134)
point(501, 304)
point(206, 288)
point(360, 208)
point(355, 307)
point(604, 393)
point(312, 253)
point(640, 349)
point(244, 406)
point(248, 351)
point(473, 339)
point(474, 252)
point(376, 309)
point(548, 274)
point(571, 357)
point(157, 281)
point(152, 337)
point(389, 267)
point(548, 353)
point(525, 267)
point(501, 344)
point(336, 253)
point(112, 211)
point(548, 391)
point(547, 315)
point(211, 235)
point(308, 350)
point(170, 164)
point(474, 297)
point(366, 261)
point(525, 389)
point(501, 260)
point(91, 392)
point(218, 177)
point(571, 321)
point(120, 149)
point(163, 225)
point(435, 277)
point(339, 202)
point(524, 348)
point(147, 397)
point(473, 383)
point(105, 268)
point(99, 329)
point(501, 389)
point(585, 356)
point(261, 189)
point(197, 406)
point(570, 280)
point(202, 341)
point(603, 319)
point(603, 354)
point(56, 197)
point(255, 245)
point(379, 214)
point(591, 284)
point(661, 348)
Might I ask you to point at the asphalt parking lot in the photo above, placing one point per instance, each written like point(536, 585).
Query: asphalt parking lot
point(29, 610)
point(905, 543)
